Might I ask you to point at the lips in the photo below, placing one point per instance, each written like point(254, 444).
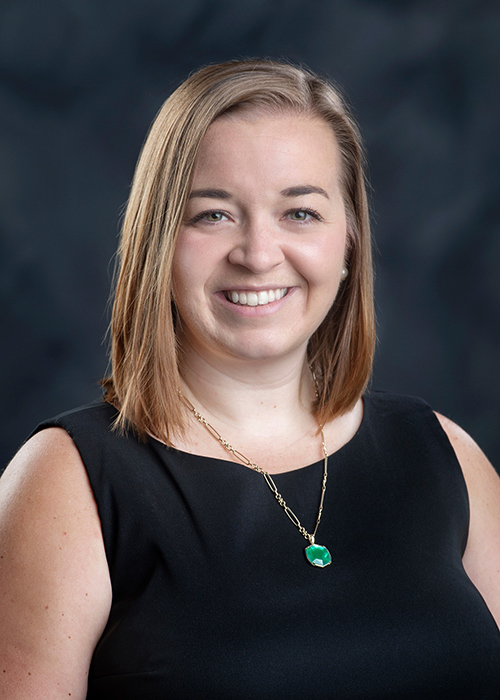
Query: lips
point(260, 298)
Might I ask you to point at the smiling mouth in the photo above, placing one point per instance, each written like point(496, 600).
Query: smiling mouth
point(256, 298)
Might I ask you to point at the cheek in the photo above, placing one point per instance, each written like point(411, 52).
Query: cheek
point(196, 258)
point(321, 262)
point(178, 278)
point(185, 266)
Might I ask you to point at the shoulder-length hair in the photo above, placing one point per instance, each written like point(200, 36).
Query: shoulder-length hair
point(144, 383)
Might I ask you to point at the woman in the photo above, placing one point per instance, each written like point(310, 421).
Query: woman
point(145, 547)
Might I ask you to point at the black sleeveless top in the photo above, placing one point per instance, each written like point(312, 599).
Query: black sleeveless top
point(213, 596)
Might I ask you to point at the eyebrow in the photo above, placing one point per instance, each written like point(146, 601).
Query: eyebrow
point(300, 190)
point(296, 191)
point(211, 194)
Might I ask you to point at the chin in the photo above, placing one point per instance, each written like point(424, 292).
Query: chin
point(265, 350)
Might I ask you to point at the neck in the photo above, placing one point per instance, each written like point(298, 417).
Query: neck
point(256, 397)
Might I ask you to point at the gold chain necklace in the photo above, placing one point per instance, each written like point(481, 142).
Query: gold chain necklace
point(316, 554)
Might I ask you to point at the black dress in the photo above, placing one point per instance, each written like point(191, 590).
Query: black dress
point(213, 596)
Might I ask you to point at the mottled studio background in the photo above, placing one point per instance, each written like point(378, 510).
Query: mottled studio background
point(80, 82)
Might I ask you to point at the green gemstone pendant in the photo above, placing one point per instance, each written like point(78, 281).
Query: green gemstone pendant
point(317, 555)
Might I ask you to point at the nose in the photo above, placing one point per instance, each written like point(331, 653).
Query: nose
point(258, 248)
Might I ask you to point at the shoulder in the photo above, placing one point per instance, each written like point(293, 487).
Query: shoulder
point(406, 419)
point(480, 476)
point(48, 461)
point(399, 407)
point(482, 555)
point(97, 416)
point(53, 565)
point(471, 457)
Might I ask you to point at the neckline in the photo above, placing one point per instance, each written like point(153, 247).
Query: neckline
point(232, 463)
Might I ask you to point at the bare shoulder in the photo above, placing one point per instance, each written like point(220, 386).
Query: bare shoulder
point(482, 556)
point(482, 480)
point(54, 584)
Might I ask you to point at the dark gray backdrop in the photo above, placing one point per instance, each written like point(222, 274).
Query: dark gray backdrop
point(81, 81)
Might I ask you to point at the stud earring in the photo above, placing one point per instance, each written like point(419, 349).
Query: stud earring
point(343, 274)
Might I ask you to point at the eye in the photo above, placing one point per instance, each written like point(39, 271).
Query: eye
point(212, 216)
point(303, 215)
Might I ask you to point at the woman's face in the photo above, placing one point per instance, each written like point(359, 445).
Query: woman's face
point(258, 260)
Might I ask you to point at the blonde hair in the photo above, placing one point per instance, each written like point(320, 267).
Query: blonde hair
point(144, 383)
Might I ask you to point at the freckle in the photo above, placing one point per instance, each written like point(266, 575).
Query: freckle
point(46, 607)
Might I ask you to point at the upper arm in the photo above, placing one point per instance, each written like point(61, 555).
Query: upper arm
point(54, 584)
point(482, 555)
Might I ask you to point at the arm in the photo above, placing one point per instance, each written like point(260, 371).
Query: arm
point(482, 555)
point(55, 592)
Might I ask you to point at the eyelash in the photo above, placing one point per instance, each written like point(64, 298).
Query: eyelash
point(200, 216)
point(312, 212)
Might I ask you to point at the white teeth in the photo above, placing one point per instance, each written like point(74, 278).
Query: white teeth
point(256, 298)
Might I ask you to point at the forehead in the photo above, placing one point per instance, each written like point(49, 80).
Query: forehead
point(275, 144)
point(261, 120)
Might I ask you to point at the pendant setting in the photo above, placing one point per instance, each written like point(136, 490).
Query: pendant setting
point(318, 555)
